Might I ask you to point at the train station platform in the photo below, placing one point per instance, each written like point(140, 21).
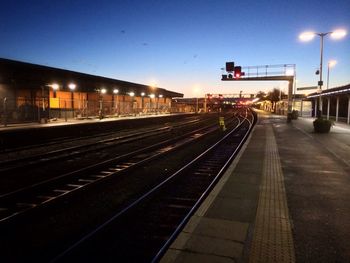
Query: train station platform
point(285, 198)
point(72, 121)
point(25, 134)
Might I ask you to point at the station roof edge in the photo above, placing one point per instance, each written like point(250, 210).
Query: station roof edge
point(14, 66)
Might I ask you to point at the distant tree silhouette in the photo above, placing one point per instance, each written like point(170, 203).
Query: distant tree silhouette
point(261, 95)
point(274, 96)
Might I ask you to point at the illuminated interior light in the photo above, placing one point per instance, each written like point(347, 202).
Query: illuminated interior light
point(55, 86)
point(72, 86)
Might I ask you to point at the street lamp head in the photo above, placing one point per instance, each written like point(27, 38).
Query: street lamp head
point(160, 96)
point(152, 96)
point(72, 86)
point(307, 36)
point(55, 86)
point(115, 91)
point(338, 34)
point(332, 63)
point(132, 94)
point(143, 94)
point(103, 91)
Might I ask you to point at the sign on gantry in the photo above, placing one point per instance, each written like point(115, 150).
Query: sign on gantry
point(283, 72)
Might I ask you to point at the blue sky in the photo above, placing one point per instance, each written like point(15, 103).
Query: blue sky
point(177, 45)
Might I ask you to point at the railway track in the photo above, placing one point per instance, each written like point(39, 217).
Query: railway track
point(143, 230)
point(29, 198)
point(42, 164)
point(68, 148)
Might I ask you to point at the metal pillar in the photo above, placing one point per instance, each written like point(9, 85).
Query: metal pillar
point(5, 111)
point(301, 108)
point(348, 109)
point(290, 96)
point(72, 104)
point(315, 107)
point(100, 114)
point(328, 106)
point(320, 83)
point(337, 110)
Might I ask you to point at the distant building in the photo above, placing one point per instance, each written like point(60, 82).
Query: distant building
point(30, 92)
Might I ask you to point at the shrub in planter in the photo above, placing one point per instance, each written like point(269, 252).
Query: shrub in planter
point(295, 114)
point(322, 125)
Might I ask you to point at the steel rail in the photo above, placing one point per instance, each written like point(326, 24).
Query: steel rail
point(80, 179)
point(147, 195)
point(179, 228)
point(73, 150)
point(61, 140)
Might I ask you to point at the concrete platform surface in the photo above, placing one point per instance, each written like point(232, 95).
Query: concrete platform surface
point(284, 199)
point(63, 122)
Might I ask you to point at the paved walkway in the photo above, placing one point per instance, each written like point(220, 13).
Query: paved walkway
point(284, 199)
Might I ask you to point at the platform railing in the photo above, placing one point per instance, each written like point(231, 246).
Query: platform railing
point(42, 110)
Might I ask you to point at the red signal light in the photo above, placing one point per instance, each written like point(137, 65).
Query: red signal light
point(238, 72)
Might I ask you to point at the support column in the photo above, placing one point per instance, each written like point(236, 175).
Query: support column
point(348, 122)
point(337, 110)
point(290, 95)
point(328, 106)
point(301, 108)
point(315, 107)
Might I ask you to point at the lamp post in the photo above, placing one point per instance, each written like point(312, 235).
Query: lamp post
point(159, 96)
point(132, 94)
point(116, 106)
point(100, 113)
point(72, 87)
point(307, 36)
point(142, 95)
point(152, 96)
point(331, 64)
point(54, 87)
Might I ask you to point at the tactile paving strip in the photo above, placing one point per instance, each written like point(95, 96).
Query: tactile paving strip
point(272, 240)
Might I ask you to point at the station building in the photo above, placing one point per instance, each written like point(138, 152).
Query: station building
point(332, 103)
point(30, 92)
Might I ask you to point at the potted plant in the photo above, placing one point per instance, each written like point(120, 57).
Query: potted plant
point(295, 114)
point(322, 125)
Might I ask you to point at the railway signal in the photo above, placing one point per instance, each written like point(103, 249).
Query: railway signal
point(267, 73)
point(232, 71)
point(230, 66)
point(238, 72)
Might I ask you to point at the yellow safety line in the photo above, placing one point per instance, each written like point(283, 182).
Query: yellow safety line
point(272, 240)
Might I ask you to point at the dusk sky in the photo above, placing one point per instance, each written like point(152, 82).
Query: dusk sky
point(177, 45)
